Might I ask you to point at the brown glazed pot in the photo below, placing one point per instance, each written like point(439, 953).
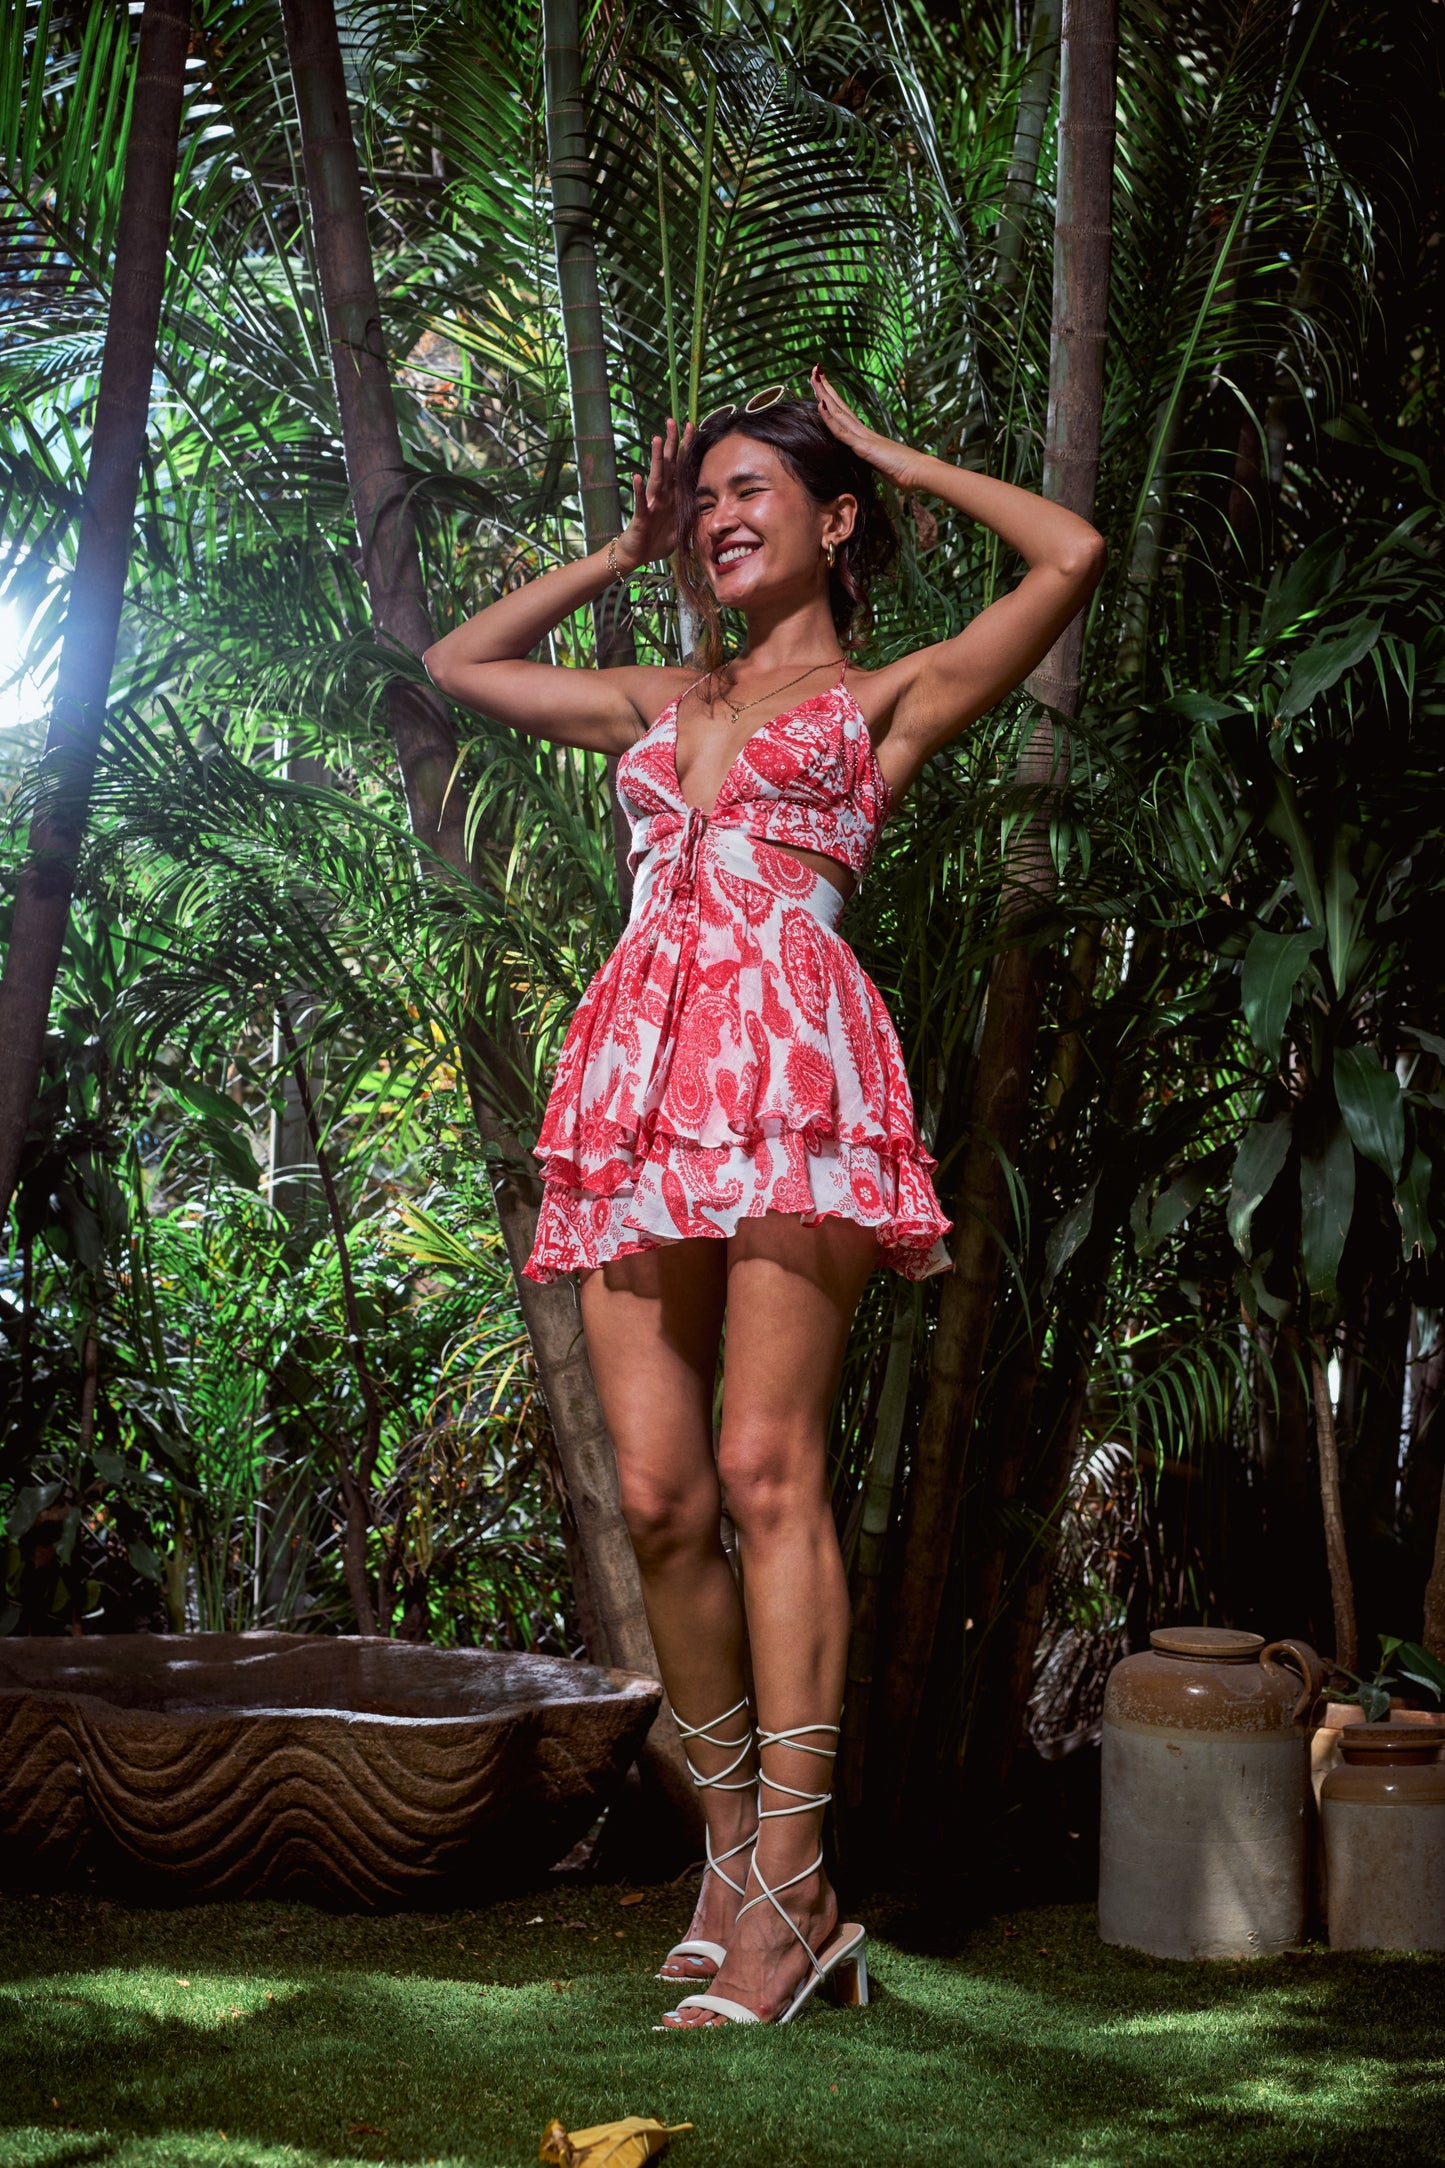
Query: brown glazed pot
point(1331, 1718)
point(351, 1771)
point(1334, 1717)
point(1384, 1831)
point(1204, 1834)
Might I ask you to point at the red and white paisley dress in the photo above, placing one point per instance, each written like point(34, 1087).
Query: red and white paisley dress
point(732, 1057)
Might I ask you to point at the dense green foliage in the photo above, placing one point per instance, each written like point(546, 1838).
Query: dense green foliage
point(1236, 1155)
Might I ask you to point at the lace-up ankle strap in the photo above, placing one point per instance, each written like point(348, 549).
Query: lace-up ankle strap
point(719, 1783)
point(804, 1803)
point(723, 1781)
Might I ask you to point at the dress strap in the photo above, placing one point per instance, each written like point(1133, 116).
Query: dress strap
point(672, 706)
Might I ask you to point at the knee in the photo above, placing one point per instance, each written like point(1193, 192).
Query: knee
point(666, 1522)
point(772, 1481)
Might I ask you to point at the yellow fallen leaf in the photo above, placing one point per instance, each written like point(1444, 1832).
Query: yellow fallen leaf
point(637, 2138)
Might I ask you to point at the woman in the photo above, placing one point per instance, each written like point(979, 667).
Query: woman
point(730, 1132)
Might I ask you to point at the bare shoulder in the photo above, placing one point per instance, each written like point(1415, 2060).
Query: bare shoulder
point(883, 695)
point(878, 693)
point(666, 686)
point(652, 689)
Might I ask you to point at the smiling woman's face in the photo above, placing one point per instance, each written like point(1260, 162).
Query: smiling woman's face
point(758, 530)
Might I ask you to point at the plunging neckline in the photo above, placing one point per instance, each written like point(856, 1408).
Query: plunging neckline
point(781, 717)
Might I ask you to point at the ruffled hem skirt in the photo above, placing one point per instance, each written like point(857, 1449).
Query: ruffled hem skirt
point(731, 1058)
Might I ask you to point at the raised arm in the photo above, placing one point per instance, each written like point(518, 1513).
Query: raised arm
point(937, 691)
point(484, 662)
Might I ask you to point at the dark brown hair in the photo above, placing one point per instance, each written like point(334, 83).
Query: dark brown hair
point(827, 470)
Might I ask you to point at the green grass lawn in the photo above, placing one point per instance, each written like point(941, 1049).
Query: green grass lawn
point(243, 2034)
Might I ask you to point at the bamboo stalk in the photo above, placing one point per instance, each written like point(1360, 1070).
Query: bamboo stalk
point(1434, 1627)
point(1003, 1064)
point(868, 1560)
point(376, 468)
point(704, 222)
point(669, 325)
point(1036, 91)
point(1342, 1592)
point(585, 345)
point(357, 1474)
point(107, 522)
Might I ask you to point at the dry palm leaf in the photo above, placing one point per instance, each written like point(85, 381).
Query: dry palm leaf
point(637, 2138)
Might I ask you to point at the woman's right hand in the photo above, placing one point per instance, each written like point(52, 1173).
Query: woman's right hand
point(652, 531)
point(485, 663)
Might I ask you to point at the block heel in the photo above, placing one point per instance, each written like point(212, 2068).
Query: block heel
point(848, 1983)
point(841, 1968)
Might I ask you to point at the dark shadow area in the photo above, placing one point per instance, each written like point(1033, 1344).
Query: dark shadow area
point(1041, 1847)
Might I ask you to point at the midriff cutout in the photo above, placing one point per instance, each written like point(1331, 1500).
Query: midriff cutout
point(832, 870)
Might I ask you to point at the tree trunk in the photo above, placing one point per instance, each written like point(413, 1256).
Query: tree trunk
point(1374, 1350)
point(1434, 1627)
point(1036, 91)
point(89, 1381)
point(1422, 1487)
point(1017, 1579)
point(998, 1699)
point(1287, 411)
point(1067, 1064)
point(1038, 1438)
point(376, 470)
point(868, 1563)
point(588, 384)
point(1016, 983)
point(426, 749)
point(42, 900)
point(1341, 1589)
point(1145, 557)
point(290, 1170)
point(359, 1469)
point(1292, 1546)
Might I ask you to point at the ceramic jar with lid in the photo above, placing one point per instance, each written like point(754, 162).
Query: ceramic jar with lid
point(1383, 1812)
point(1204, 1834)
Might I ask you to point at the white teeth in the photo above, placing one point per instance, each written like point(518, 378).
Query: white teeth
point(736, 554)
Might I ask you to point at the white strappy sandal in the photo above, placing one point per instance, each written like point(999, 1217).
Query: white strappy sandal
point(843, 1964)
point(699, 1946)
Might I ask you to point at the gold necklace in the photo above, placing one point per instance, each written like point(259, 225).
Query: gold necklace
point(735, 711)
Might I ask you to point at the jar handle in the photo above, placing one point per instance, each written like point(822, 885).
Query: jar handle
point(1297, 1656)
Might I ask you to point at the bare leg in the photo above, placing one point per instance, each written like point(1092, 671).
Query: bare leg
point(791, 1294)
point(653, 1325)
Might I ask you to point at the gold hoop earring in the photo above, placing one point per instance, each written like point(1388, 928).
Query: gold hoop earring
point(830, 552)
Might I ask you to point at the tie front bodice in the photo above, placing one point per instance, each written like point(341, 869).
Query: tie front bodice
point(809, 778)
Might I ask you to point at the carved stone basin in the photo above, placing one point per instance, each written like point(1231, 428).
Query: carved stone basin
point(350, 1771)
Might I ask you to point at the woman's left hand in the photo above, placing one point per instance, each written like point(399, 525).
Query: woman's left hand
point(894, 460)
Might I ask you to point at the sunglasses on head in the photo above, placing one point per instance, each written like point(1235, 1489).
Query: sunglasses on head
point(768, 396)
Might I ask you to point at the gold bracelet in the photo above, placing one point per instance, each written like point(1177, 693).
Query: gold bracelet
point(614, 570)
